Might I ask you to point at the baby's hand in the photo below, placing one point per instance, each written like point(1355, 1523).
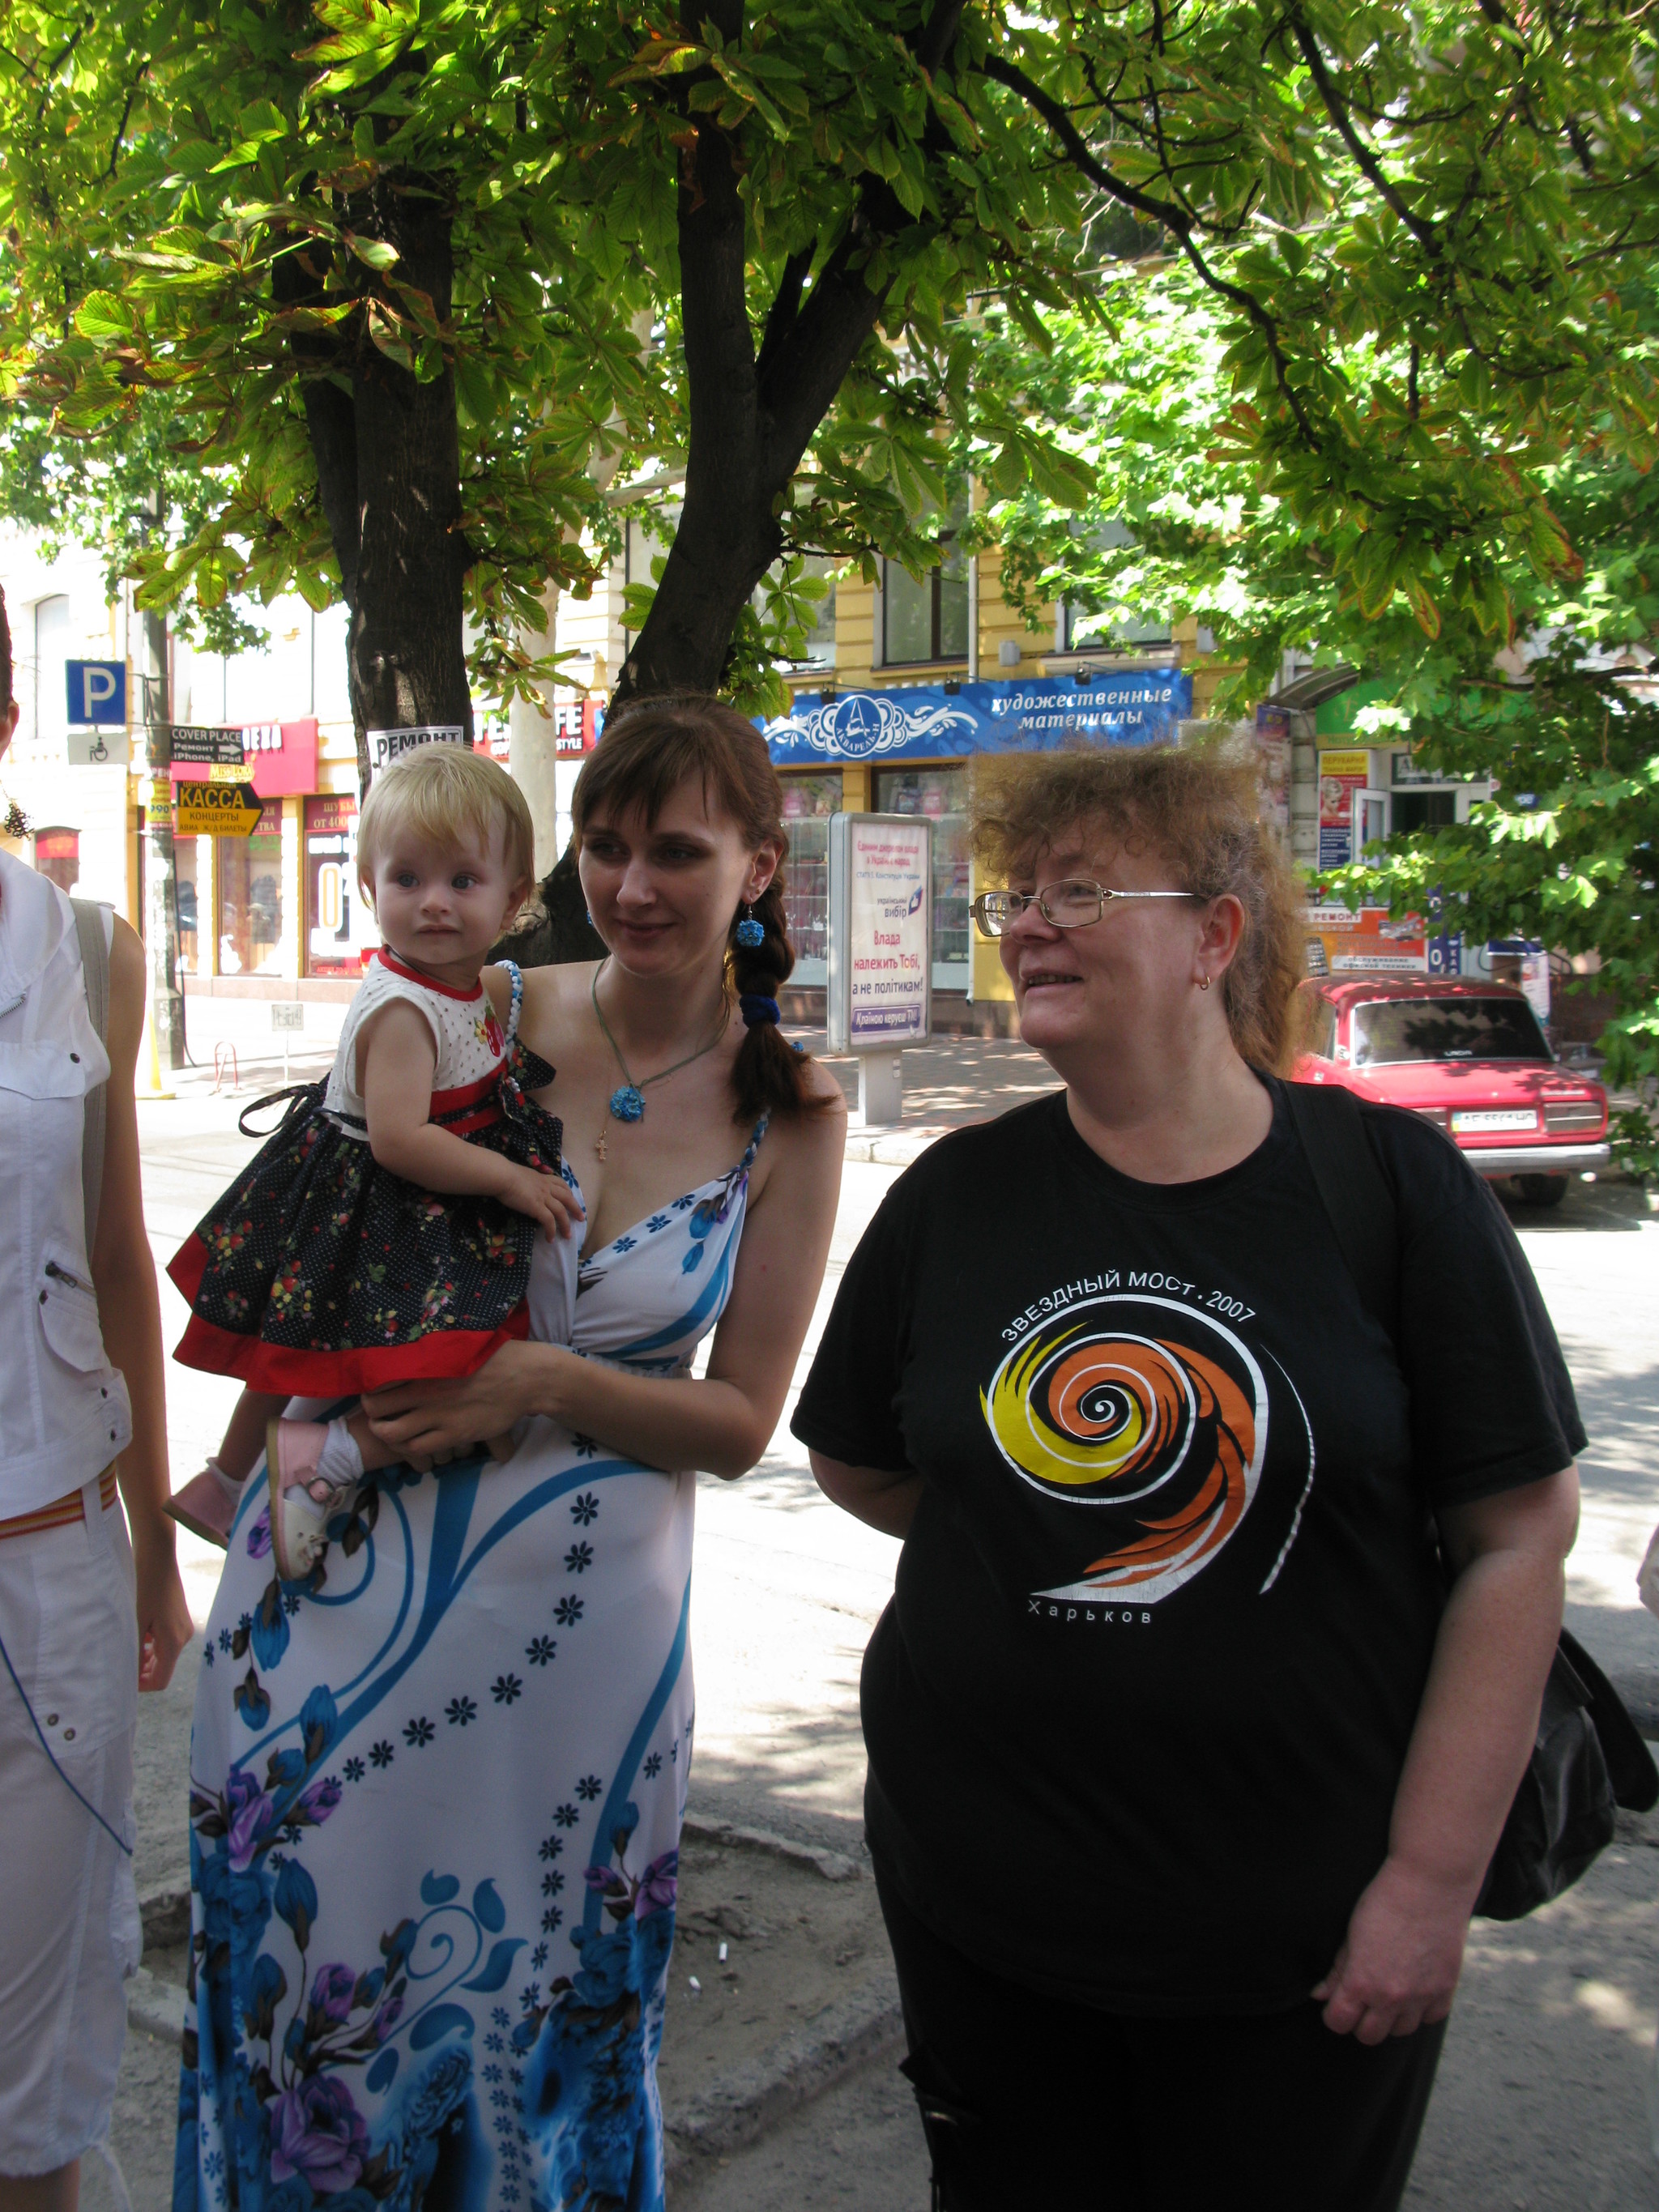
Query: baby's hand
point(545, 1198)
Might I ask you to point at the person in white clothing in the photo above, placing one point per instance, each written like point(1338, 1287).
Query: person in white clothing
point(88, 1616)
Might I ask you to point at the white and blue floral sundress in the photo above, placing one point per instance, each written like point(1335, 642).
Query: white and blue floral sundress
point(436, 1804)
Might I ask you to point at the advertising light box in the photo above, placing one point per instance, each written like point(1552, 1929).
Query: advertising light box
point(879, 993)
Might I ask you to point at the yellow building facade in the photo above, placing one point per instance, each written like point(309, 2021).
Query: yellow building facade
point(279, 914)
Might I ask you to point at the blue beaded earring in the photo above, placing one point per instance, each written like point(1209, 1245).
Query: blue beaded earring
point(749, 932)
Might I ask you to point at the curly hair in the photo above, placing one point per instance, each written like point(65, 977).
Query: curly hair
point(649, 748)
point(1198, 812)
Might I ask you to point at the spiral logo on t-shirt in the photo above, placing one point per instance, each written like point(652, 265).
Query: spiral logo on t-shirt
point(1160, 1423)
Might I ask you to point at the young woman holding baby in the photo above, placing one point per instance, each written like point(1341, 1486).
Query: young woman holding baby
point(438, 1780)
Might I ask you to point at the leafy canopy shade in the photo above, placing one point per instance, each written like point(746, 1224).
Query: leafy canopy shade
point(409, 276)
point(1558, 711)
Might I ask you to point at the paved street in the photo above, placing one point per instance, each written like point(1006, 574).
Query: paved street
point(1543, 2089)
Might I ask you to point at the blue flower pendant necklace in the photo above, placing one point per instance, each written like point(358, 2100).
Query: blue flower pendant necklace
point(626, 1102)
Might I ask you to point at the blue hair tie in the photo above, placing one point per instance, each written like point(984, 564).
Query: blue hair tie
point(757, 1008)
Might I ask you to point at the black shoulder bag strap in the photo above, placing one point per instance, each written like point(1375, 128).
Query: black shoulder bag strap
point(1562, 1815)
point(1355, 1193)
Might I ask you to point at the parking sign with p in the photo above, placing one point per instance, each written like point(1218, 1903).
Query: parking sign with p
point(97, 693)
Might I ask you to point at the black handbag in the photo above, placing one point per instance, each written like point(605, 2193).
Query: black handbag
point(1588, 1757)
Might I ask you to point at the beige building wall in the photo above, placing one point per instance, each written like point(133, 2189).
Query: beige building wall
point(858, 666)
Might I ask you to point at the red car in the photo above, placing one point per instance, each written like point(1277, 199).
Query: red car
point(1470, 1058)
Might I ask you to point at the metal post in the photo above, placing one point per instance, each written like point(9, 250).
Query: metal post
point(166, 1000)
point(533, 764)
point(881, 1090)
point(972, 598)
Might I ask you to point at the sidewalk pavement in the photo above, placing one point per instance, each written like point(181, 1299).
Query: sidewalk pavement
point(947, 1084)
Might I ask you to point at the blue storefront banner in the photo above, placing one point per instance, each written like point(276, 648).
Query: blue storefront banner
point(1123, 706)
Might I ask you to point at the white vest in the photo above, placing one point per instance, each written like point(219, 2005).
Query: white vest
point(64, 1410)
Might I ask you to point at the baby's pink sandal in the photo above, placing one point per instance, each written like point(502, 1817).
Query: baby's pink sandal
point(207, 1506)
point(302, 1500)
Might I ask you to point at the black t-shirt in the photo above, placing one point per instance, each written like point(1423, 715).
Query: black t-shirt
point(1138, 1709)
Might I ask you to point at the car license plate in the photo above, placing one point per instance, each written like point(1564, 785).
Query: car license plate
point(1508, 1117)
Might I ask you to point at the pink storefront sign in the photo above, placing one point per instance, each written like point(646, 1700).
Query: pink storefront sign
point(282, 755)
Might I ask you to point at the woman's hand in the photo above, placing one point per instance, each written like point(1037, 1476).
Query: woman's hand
point(1474, 1734)
point(164, 1623)
point(1398, 1969)
point(428, 1424)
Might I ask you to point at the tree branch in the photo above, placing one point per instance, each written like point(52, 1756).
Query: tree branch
point(55, 64)
point(121, 128)
point(1171, 213)
point(1174, 217)
point(750, 419)
point(803, 365)
point(331, 416)
point(785, 303)
point(1368, 165)
point(727, 535)
point(937, 35)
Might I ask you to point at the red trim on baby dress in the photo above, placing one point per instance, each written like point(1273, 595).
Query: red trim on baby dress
point(469, 1124)
point(445, 1354)
point(482, 1097)
point(468, 1094)
point(426, 982)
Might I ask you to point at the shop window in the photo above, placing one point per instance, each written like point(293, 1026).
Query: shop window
point(52, 651)
point(250, 887)
point(941, 793)
point(808, 802)
point(1111, 632)
point(340, 922)
point(647, 537)
point(1424, 809)
point(192, 866)
point(57, 857)
point(924, 618)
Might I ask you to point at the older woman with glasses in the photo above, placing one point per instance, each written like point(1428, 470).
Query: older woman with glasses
point(1185, 1772)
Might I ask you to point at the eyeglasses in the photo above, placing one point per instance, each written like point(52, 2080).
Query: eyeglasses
point(1073, 904)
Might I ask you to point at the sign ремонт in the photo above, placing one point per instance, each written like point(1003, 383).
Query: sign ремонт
point(196, 745)
point(385, 746)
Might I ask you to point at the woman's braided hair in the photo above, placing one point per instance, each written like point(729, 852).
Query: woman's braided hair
point(650, 747)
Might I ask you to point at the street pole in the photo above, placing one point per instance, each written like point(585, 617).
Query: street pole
point(166, 1004)
point(972, 598)
point(532, 752)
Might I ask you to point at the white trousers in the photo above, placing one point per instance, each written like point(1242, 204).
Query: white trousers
point(69, 1906)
